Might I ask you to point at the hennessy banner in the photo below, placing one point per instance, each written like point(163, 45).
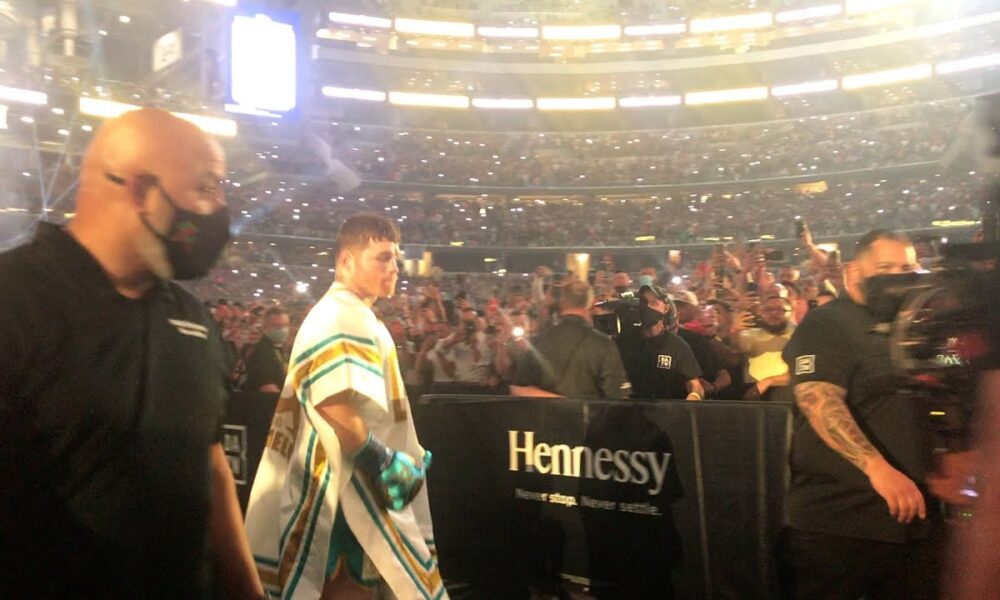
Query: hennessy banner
point(683, 496)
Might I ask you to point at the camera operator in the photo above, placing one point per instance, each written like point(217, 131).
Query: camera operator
point(859, 520)
point(666, 368)
point(572, 359)
point(762, 340)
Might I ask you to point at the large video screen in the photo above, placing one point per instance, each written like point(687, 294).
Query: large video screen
point(264, 61)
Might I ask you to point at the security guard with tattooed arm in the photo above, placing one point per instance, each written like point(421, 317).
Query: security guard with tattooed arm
point(861, 520)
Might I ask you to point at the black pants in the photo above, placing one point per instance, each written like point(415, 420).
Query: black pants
point(819, 566)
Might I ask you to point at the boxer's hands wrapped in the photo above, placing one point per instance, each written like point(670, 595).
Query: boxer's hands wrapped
point(394, 475)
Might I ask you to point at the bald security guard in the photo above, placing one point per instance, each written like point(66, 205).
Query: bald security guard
point(112, 389)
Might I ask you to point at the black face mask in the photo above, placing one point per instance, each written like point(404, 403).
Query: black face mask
point(886, 294)
point(193, 242)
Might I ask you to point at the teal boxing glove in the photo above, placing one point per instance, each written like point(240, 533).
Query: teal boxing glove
point(395, 476)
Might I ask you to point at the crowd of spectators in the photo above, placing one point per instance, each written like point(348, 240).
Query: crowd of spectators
point(826, 144)
point(851, 206)
point(469, 332)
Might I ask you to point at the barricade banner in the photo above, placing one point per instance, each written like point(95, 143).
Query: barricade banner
point(682, 497)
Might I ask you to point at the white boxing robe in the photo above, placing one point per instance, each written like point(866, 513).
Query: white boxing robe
point(303, 476)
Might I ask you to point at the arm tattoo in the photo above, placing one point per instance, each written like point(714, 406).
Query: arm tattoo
point(823, 404)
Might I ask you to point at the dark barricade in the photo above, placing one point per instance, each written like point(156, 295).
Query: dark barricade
point(248, 418)
point(684, 498)
point(635, 496)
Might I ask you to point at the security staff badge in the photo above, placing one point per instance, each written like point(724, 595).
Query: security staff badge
point(664, 361)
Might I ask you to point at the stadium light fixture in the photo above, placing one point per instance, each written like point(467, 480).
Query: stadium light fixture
point(859, 7)
point(505, 103)
point(863, 80)
point(521, 33)
point(808, 87)
point(360, 20)
point(647, 101)
point(968, 64)
point(823, 11)
point(954, 223)
point(104, 109)
point(429, 100)
point(722, 96)
point(13, 94)
point(655, 30)
point(353, 94)
point(732, 23)
point(598, 103)
point(581, 32)
point(107, 109)
point(442, 28)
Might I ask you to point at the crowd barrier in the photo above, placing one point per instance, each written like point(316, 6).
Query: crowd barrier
point(688, 495)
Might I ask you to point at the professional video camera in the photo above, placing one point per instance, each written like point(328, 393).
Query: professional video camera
point(623, 315)
point(943, 330)
point(944, 325)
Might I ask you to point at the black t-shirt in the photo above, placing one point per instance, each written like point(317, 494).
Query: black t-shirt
point(108, 409)
point(666, 364)
point(836, 344)
point(574, 360)
point(703, 352)
point(265, 365)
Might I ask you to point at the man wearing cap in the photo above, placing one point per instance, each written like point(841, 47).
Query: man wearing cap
point(689, 317)
point(667, 368)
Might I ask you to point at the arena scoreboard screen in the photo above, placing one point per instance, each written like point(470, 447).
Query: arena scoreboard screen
point(264, 63)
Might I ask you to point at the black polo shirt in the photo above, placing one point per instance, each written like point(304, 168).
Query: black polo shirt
point(574, 360)
point(108, 409)
point(836, 343)
point(265, 365)
point(666, 364)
